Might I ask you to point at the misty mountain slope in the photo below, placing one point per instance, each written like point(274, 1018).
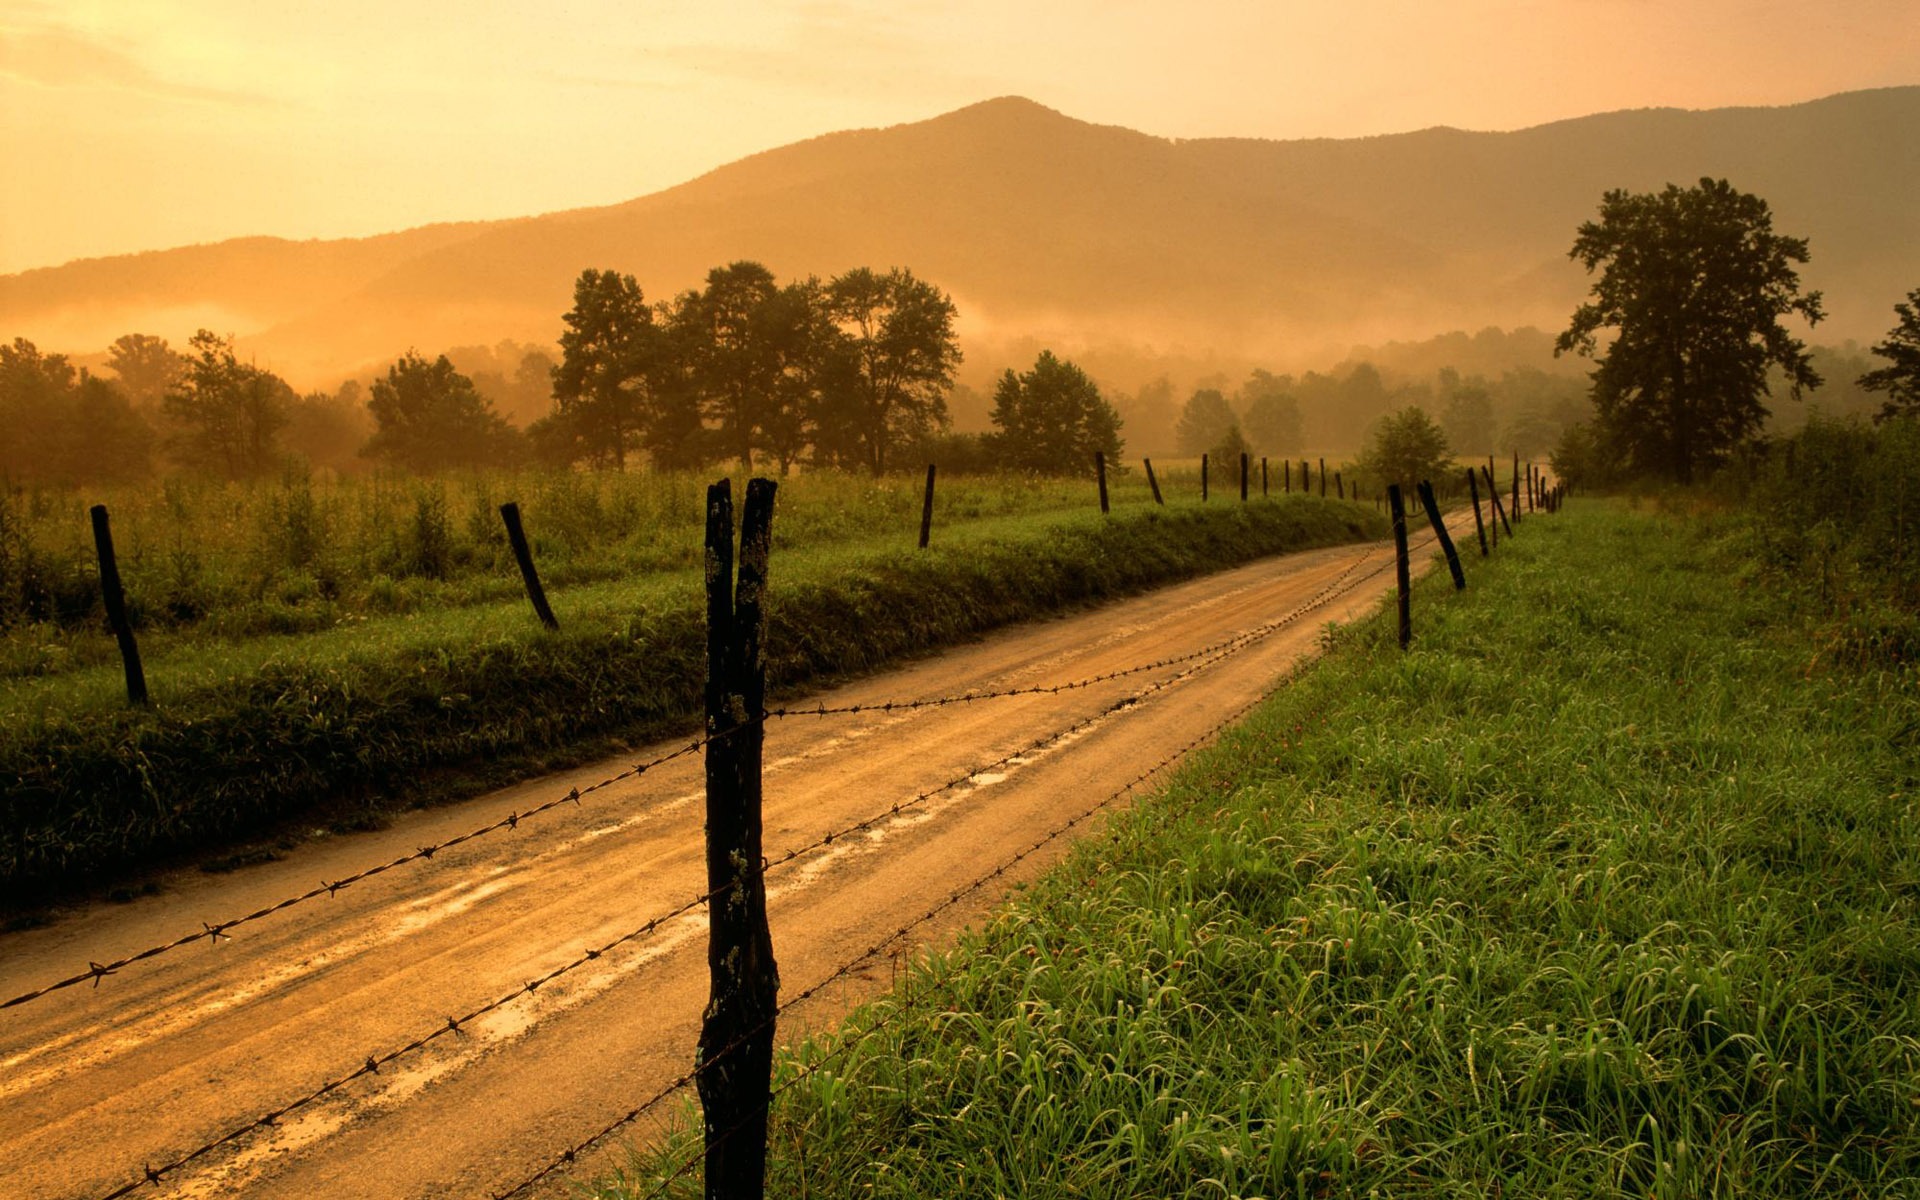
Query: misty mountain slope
point(1043, 225)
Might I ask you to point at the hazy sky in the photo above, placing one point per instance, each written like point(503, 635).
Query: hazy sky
point(137, 124)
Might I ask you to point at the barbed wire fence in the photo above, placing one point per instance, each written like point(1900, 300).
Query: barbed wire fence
point(1194, 662)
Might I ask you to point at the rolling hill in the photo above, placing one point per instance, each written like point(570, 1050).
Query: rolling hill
point(1042, 225)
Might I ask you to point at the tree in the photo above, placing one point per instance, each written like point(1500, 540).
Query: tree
point(900, 354)
point(1204, 420)
point(329, 429)
point(147, 367)
point(65, 426)
point(610, 355)
point(1694, 283)
point(1901, 380)
point(1467, 412)
point(1272, 413)
point(1225, 453)
point(430, 418)
point(1407, 447)
point(1052, 419)
point(228, 413)
point(735, 362)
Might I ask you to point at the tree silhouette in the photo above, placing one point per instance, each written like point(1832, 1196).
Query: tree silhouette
point(1052, 419)
point(610, 353)
point(228, 414)
point(430, 418)
point(900, 357)
point(1204, 420)
point(1405, 448)
point(1693, 282)
point(1901, 379)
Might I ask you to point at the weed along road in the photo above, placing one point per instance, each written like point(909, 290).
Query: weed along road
point(143, 1066)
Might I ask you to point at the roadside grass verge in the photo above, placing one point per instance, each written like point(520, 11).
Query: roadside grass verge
point(405, 708)
point(1598, 891)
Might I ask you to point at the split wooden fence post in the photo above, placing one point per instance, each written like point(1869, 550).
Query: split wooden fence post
point(523, 555)
point(736, 1035)
point(1400, 573)
point(115, 599)
point(1099, 468)
point(1440, 531)
point(1152, 482)
point(1479, 526)
point(926, 511)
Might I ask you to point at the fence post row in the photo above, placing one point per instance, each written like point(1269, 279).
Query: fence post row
point(1399, 512)
point(736, 1035)
point(115, 598)
point(1479, 526)
point(926, 511)
point(523, 554)
point(1440, 531)
point(1099, 468)
point(1152, 482)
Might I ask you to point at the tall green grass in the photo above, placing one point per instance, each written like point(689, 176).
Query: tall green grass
point(1597, 891)
point(369, 713)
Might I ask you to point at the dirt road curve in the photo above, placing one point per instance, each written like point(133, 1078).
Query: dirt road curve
point(172, 1053)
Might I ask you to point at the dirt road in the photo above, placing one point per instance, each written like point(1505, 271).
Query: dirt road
point(174, 1052)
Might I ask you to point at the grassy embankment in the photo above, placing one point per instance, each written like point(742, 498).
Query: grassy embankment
point(391, 692)
point(1611, 886)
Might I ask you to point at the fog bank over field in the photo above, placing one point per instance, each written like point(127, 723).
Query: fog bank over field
point(1135, 251)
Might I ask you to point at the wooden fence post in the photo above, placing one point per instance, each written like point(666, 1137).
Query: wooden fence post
point(1440, 531)
point(523, 555)
point(1479, 526)
point(736, 1035)
point(1100, 469)
point(1516, 487)
point(1244, 466)
point(1339, 487)
point(1400, 573)
point(926, 511)
point(1152, 482)
point(1323, 479)
point(116, 602)
point(1493, 494)
point(1286, 476)
point(1203, 478)
point(1263, 475)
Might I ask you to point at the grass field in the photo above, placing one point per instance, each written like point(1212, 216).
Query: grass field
point(1609, 887)
point(460, 686)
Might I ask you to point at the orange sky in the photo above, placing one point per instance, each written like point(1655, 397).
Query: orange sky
point(138, 124)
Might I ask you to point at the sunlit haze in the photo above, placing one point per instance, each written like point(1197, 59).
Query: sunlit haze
point(139, 124)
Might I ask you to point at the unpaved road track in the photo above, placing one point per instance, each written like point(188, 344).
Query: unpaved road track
point(172, 1053)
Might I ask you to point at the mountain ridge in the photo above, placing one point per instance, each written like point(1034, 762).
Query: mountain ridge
point(1042, 224)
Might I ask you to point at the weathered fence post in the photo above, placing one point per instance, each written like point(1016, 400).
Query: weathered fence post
point(1244, 466)
point(1286, 476)
point(1323, 479)
point(1203, 478)
point(523, 554)
point(1440, 531)
point(1516, 487)
point(1339, 487)
point(1100, 469)
point(1263, 475)
point(1479, 526)
point(736, 1035)
point(116, 602)
point(1400, 573)
point(1493, 494)
point(926, 511)
point(1152, 482)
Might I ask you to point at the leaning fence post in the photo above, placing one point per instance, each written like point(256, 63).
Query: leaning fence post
point(736, 1035)
point(1493, 495)
point(1152, 482)
point(1400, 573)
point(523, 554)
point(1244, 467)
point(926, 511)
point(1100, 469)
point(116, 602)
point(1479, 526)
point(1440, 531)
point(1203, 478)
